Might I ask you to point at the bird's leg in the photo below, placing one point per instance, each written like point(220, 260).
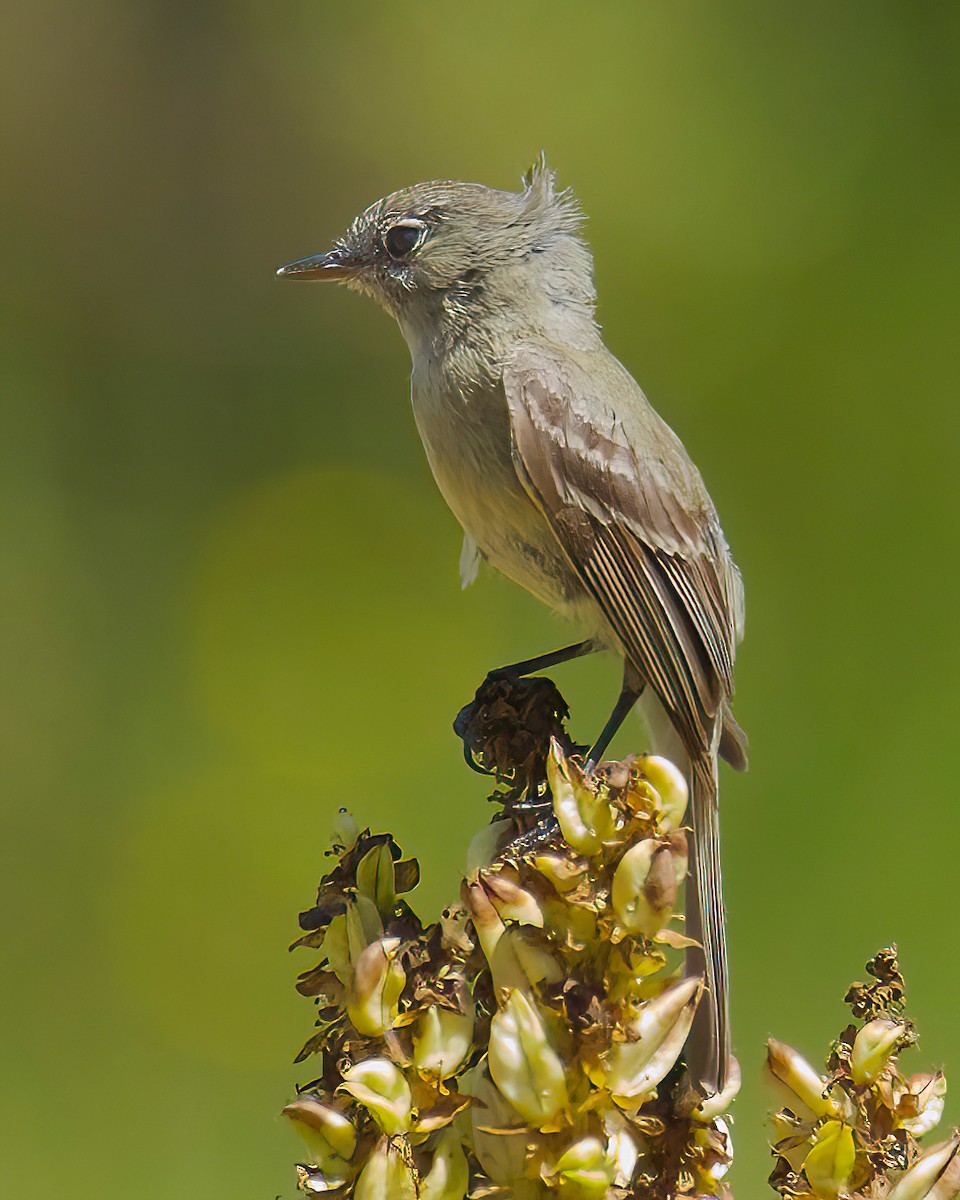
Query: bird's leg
point(530, 666)
point(629, 695)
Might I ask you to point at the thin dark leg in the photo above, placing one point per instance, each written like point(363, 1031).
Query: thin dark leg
point(627, 699)
point(531, 665)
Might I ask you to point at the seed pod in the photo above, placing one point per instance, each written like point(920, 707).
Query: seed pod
point(329, 1136)
point(654, 1040)
point(381, 1088)
point(376, 879)
point(829, 1164)
point(442, 1039)
point(793, 1071)
point(921, 1106)
point(671, 788)
point(511, 901)
point(645, 883)
point(583, 1172)
point(386, 1175)
point(872, 1048)
point(586, 818)
point(523, 1064)
point(373, 998)
point(934, 1176)
point(449, 1174)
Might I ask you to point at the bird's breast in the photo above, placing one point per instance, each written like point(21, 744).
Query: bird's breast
point(470, 450)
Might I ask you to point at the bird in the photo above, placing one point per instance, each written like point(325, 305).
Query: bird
point(566, 480)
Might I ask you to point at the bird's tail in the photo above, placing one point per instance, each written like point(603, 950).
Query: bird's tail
point(708, 1046)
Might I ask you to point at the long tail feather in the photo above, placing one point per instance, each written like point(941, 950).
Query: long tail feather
point(708, 1046)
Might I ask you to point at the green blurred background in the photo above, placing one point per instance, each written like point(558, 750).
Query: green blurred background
point(224, 556)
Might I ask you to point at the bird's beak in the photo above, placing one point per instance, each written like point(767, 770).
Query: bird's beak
point(336, 264)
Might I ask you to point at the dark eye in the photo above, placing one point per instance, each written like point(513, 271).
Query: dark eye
point(403, 238)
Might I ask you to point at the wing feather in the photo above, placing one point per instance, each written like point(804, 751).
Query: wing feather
point(633, 516)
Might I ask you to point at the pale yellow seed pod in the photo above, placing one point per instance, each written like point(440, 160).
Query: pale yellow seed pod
point(872, 1048)
point(829, 1164)
point(486, 920)
point(380, 1087)
point(584, 1171)
point(500, 1152)
point(329, 1136)
point(449, 1174)
point(373, 997)
point(511, 901)
point(442, 1039)
point(803, 1084)
point(523, 1064)
point(564, 874)
point(657, 1034)
point(376, 878)
point(385, 1175)
point(626, 893)
point(934, 1176)
point(668, 782)
point(586, 819)
point(645, 883)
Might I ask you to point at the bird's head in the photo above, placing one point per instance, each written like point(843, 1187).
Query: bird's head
point(438, 253)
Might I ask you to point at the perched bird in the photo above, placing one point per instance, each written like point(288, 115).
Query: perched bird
point(565, 479)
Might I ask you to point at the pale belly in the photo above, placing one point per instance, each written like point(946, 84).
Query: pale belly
point(468, 447)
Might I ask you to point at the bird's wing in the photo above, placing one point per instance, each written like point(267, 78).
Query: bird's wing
point(635, 520)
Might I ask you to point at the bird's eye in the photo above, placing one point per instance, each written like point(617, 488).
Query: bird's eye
point(403, 238)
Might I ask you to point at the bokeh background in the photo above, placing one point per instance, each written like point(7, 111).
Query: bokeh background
point(224, 560)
